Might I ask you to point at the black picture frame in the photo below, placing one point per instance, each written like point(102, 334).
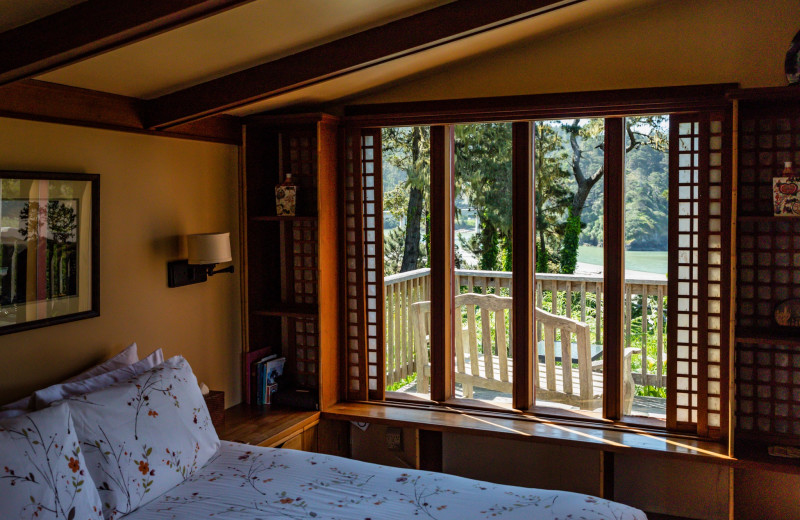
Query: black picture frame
point(60, 282)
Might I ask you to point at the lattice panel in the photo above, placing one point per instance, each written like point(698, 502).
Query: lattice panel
point(300, 148)
point(767, 139)
point(718, 190)
point(768, 392)
point(355, 360)
point(306, 352)
point(300, 151)
point(304, 274)
point(700, 187)
point(373, 259)
point(768, 269)
point(690, 275)
point(304, 254)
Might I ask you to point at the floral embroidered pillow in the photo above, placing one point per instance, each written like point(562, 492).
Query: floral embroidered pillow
point(43, 473)
point(144, 436)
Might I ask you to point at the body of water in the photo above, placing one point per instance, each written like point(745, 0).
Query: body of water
point(646, 261)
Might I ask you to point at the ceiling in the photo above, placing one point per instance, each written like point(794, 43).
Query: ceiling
point(259, 55)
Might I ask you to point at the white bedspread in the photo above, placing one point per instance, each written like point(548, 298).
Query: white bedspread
point(244, 482)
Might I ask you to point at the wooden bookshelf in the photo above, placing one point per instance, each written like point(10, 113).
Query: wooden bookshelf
point(290, 275)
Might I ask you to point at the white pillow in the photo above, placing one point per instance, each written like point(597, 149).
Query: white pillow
point(144, 436)
point(45, 396)
point(127, 357)
point(43, 474)
point(12, 412)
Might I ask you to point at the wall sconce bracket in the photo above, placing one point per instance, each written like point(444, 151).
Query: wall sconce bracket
point(180, 273)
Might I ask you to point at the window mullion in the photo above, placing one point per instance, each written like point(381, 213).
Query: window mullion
point(614, 265)
point(442, 262)
point(523, 280)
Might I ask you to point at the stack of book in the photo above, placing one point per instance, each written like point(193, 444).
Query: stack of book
point(263, 377)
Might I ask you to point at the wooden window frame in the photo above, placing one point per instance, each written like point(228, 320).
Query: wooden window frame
point(613, 106)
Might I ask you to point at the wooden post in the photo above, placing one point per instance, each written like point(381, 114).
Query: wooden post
point(613, 265)
point(523, 280)
point(442, 262)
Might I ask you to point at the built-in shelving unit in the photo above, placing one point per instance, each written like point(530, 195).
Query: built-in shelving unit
point(290, 276)
point(768, 273)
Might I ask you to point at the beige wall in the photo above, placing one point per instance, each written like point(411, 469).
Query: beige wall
point(675, 42)
point(152, 191)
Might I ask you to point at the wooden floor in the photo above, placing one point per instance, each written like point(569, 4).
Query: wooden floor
point(642, 406)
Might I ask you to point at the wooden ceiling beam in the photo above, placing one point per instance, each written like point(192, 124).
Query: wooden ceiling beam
point(425, 30)
point(92, 27)
point(42, 101)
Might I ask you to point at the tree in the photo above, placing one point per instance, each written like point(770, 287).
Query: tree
point(552, 193)
point(584, 137)
point(483, 177)
point(408, 148)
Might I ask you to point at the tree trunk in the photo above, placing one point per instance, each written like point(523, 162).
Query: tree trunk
point(411, 252)
point(416, 199)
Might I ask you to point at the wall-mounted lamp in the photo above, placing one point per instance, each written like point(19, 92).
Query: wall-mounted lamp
point(205, 252)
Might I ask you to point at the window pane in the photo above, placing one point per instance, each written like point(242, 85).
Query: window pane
point(482, 223)
point(646, 233)
point(406, 196)
point(568, 213)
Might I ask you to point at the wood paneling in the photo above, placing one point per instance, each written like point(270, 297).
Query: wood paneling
point(92, 27)
point(387, 42)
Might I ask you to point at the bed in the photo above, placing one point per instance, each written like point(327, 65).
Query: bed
point(140, 445)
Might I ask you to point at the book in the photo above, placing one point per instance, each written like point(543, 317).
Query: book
point(255, 360)
point(274, 369)
point(251, 358)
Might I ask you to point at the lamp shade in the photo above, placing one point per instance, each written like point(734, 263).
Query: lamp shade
point(209, 248)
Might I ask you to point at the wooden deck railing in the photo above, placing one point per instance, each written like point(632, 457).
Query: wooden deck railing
point(553, 291)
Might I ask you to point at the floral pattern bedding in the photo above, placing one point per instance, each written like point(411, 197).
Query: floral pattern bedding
point(243, 482)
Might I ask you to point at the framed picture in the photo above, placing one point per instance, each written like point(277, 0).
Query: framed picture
point(49, 249)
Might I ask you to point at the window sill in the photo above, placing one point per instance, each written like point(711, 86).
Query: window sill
point(515, 426)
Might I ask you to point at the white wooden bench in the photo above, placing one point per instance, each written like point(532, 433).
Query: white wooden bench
point(491, 366)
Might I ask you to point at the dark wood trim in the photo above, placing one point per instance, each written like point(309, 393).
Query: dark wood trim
point(43, 101)
point(92, 27)
point(613, 265)
point(523, 280)
point(600, 103)
point(410, 35)
point(766, 94)
point(442, 263)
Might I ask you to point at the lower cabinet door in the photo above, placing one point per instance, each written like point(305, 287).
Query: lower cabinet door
point(293, 443)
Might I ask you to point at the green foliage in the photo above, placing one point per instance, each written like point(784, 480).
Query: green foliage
point(553, 193)
point(651, 391)
point(397, 385)
point(569, 247)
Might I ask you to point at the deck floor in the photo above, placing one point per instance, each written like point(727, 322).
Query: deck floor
point(642, 406)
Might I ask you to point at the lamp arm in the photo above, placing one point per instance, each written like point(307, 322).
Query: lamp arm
point(212, 272)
